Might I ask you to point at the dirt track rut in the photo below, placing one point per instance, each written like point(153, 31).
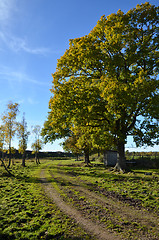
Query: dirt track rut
point(95, 210)
point(88, 225)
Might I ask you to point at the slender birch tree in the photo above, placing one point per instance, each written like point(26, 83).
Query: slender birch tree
point(2, 149)
point(10, 125)
point(37, 144)
point(23, 135)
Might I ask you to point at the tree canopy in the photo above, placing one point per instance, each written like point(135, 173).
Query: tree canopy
point(108, 80)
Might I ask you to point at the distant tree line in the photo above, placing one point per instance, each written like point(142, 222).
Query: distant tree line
point(142, 154)
point(42, 154)
point(143, 159)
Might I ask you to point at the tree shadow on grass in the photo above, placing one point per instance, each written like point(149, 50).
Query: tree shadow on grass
point(59, 236)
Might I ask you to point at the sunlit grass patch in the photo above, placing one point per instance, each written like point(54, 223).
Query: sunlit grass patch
point(26, 213)
point(140, 184)
point(75, 180)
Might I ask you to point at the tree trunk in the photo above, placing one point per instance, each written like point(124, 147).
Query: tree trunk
point(98, 153)
point(10, 155)
point(38, 158)
point(121, 161)
point(87, 161)
point(3, 164)
point(23, 159)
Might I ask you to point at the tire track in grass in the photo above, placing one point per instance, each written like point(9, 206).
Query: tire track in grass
point(92, 228)
point(128, 215)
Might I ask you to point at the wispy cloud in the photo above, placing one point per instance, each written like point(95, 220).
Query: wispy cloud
point(14, 43)
point(6, 7)
point(11, 75)
point(32, 101)
point(17, 44)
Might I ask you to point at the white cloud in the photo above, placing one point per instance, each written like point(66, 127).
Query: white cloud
point(11, 75)
point(17, 44)
point(6, 8)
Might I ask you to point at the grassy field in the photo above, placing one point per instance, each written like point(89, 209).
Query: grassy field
point(26, 212)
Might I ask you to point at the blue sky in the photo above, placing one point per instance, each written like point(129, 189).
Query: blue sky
point(33, 35)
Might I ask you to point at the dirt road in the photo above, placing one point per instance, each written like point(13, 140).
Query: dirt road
point(102, 216)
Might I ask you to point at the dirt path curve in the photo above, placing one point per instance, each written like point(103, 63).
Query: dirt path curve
point(88, 225)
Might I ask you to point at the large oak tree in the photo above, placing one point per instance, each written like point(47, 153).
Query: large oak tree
point(108, 80)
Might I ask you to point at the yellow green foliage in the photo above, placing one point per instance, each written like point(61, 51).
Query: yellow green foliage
point(108, 79)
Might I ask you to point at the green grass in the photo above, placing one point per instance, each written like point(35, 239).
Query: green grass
point(25, 213)
point(139, 189)
point(135, 184)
